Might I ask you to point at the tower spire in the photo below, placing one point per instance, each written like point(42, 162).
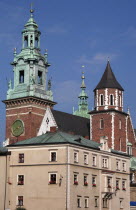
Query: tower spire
point(82, 103)
point(31, 10)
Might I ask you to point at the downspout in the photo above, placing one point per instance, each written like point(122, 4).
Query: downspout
point(5, 184)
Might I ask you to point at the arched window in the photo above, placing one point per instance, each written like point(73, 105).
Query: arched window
point(101, 100)
point(101, 123)
point(36, 42)
point(26, 41)
point(111, 100)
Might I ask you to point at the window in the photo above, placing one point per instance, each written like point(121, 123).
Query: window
point(94, 160)
point(109, 180)
point(53, 156)
point(111, 100)
point(36, 42)
point(26, 41)
point(105, 203)
point(20, 179)
point(21, 76)
point(21, 158)
point(104, 163)
point(76, 157)
point(117, 165)
point(52, 178)
point(117, 184)
point(121, 203)
point(123, 185)
point(20, 201)
point(94, 181)
point(78, 202)
point(101, 123)
point(86, 202)
point(85, 180)
point(75, 179)
point(85, 159)
point(40, 77)
point(129, 150)
point(101, 100)
point(120, 102)
point(120, 124)
point(96, 201)
point(120, 144)
point(123, 166)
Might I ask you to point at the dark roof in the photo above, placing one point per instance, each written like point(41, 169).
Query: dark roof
point(108, 80)
point(71, 123)
point(58, 137)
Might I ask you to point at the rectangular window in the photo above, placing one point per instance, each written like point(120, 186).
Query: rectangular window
point(86, 203)
point(40, 77)
point(76, 157)
point(21, 76)
point(53, 156)
point(52, 178)
point(117, 184)
point(118, 165)
point(94, 161)
point(105, 203)
point(123, 185)
point(101, 123)
point(94, 181)
point(109, 180)
point(123, 166)
point(120, 124)
point(121, 203)
point(85, 180)
point(78, 202)
point(21, 158)
point(20, 179)
point(75, 179)
point(101, 100)
point(96, 200)
point(104, 163)
point(85, 159)
point(20, 200)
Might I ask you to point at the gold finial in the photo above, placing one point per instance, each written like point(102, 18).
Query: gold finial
point(31, 10)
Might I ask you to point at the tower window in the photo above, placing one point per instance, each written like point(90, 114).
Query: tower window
point(101, 100)
point(101, 123)
point(40, 77)
point(21, 76)
point(119, 124)
point(26, 41)
point(111, 100)
point(120, 101)
point(36, 42)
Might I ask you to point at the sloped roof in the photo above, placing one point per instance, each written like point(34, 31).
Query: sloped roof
point(108, 80)
point(58, 137)
point(71, 123)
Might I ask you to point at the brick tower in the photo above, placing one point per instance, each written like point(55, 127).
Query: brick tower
point(107, 118)
point(28, 98)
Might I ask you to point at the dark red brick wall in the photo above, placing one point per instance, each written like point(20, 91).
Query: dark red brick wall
point(30, 115)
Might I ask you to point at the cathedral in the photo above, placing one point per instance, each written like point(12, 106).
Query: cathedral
point(55, 160)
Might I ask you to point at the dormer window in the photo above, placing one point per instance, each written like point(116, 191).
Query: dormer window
point(21, 76)
point(26, 41)
point(40, 77)
point(101, 100)
point(111, 100)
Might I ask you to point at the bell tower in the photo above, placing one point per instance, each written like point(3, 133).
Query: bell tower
point(108, 118)
point(28, 97)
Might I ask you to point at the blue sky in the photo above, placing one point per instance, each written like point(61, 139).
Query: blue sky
point(76, 33)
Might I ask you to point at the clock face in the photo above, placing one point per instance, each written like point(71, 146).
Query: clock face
point(17, 128)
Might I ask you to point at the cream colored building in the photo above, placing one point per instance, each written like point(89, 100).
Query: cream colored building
point(58, 171)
